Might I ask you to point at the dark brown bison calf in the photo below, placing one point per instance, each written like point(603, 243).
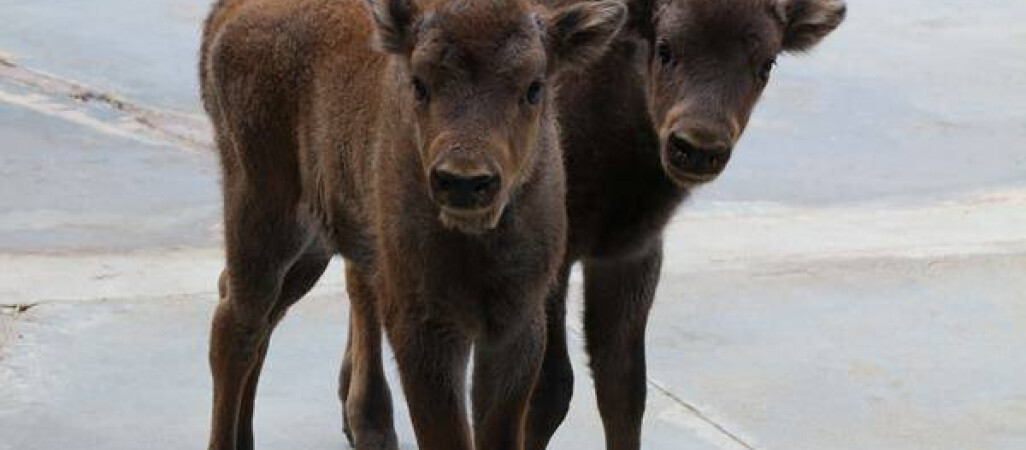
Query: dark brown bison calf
point(654, 117)
point(431, 164)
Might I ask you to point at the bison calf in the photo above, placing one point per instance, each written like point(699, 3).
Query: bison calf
point(430, 162)
point(656, 116)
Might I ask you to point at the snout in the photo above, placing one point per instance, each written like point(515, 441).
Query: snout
point(467, 182)
point(468, 191)
point(464, 190)
point(692, 160)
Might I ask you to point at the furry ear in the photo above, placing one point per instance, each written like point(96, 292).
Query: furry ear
point(806, 22)
point(639, 18)
point(394, 21)
point(580, 33)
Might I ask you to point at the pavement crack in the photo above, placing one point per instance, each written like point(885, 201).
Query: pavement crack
point(699, 414)
point(101, 97)
point(185, 130)
point(16, 309)
point(199, 296)
point(684, 404)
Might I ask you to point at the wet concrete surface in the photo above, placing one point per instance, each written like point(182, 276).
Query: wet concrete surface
point(864, 354)
point(142, 50)
point(855, 280)
point(79, 189)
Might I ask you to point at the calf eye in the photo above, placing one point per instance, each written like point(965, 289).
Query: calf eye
point(767, 67)
point(663, 52)
point(420, 92)
point(533, 95)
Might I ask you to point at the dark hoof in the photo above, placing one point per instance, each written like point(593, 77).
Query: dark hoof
point(374, 440)
point(349, 434)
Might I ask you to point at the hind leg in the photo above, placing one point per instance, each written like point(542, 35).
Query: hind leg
point(263, 244)
point(300, 278)
point(363, 389)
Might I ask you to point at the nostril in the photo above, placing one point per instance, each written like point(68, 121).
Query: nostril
point(481, 184)
point(443, 181)
point(680, 145)
point(718, 156)
point(682, 153)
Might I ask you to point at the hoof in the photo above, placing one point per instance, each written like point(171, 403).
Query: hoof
point(349, 436)
point(373, 440)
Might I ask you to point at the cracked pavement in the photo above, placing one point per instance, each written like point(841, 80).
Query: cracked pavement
point(856, 280)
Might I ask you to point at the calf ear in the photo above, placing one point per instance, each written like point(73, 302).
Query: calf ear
point(394, 21)
point(580, 33)
point(806, 22)
point(639, 18)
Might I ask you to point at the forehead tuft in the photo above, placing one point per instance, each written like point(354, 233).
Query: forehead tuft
point(719, 20)
point(469, 33)
point(482, 21)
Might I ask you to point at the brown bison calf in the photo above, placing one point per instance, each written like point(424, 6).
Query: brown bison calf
point(431, 164)
point(654, 117)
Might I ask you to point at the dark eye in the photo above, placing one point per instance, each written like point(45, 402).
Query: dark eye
point(767, 67)
point(663, 52)
point(420, 92)
point(534, 91)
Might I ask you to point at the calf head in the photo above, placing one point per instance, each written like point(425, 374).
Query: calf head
point(478, 78)
point(710, 61)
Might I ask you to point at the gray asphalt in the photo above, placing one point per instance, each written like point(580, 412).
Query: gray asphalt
point(855, 281)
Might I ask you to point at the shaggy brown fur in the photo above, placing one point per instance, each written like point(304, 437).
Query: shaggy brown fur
point(430, 164)
point(656, 116)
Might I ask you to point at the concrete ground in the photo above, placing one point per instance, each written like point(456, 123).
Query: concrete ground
point(855, 281)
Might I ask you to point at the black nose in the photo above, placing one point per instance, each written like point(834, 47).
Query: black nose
point(462, 191)
point(696, 160)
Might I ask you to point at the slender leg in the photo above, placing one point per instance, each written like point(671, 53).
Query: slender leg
point(252, 287)
point(504, 378)
point(239, 331)
point(345, 376)
point(432, 359)
point(618, 296)
point(555, 387)
point(301, 277)
point(244, 437)
point(363, 389)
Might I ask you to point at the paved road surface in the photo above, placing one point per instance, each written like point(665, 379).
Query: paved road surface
point(855, 281)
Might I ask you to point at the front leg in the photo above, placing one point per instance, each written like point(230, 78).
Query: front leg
point(618, 296)
point(505, 373)
point(555, 387)
point(432, 359)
